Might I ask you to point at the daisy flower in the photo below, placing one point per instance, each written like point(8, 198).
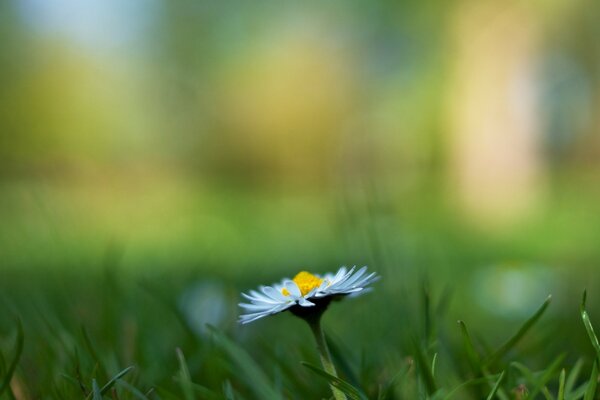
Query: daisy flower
point(306, 294)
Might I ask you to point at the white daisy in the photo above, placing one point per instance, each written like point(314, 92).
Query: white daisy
point(306, 293)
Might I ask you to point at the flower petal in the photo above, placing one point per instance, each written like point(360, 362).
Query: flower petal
point(273, 294)
point(256, 307)
point(305, 303)
point(293, 289)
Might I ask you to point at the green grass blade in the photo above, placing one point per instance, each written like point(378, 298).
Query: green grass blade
point(138, 394)
point(204, 392)
point(386, 391)
point(423, 366)
point(339, 355)
point(496, 386)
point(96, 395)
point(185, 379)
point(92, 352)
point(466, 384)
point(160, 393)
point(475, 360)
point(228, 390)
point(539, 384)
point(561, 385)
point(114, 380)
point(9, 392)
point(349, 390)
point(255, 377)
point(588, 327)
point(572, 378)
point(526, 373)
point(548, 375)
point(472, 355)
point(578, 393)
point(506, 347)
point(590, 392)
point(2, 364)
point(5, 385)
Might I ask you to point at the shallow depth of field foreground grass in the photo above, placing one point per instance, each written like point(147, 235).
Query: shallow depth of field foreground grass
point(70, 336)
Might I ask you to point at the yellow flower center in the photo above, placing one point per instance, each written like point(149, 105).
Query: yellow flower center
point(305, 281)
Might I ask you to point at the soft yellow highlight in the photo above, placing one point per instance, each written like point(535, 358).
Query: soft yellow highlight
point(305, 281)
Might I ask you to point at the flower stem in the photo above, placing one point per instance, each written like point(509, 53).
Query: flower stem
point(317, 330)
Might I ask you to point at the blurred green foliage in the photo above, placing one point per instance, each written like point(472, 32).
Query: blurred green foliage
point(158, 157)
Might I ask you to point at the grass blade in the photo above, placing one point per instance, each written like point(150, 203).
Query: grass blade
point(228, 390)
point(472, 354)
point(92, 352)
point(96, 395)
point(590, 392)
point(423, 366)
point(338, 353)
point(185, 379)
point(387, 389)
point(13, 365)
point(349, 390)
point(506, 347)
point(539, 380)
point(561, 385)
point(132, 389)
point(588, 327)
point(254, 375)
point(466, 384)
point(573, 375)
point(547, 376)
point(113, 380)
point(475, 360)
point(496, 386)
point(578, 393)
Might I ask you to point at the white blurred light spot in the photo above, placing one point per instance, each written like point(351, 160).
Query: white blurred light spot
point(204, 303)
point(93, 24)
point(512, 291)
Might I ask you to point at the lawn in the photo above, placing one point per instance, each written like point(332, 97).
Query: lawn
point(101, 326)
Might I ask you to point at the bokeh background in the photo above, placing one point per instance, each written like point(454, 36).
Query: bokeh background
point(233, 143)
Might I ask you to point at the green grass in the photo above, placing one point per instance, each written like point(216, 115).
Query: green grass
point(78, 321)
point(95, 336)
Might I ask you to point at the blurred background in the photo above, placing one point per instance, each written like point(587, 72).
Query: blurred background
point(244, 141)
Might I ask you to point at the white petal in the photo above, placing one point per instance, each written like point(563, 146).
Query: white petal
point(246, 318)
point(367, 280)
point(293, 289)
point(349, 283)
point(341, 272)
point(305, 303)
point(326, 282)
point(344, 277)
point(311, 293)
point(252, 317)
point(256, 307)
point(356, 294)
point(354, 278)
point(273, 294)
point(261, 299)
